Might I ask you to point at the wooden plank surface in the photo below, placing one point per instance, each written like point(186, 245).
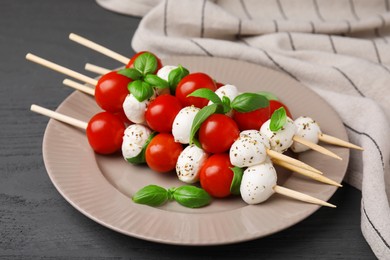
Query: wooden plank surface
point(36, 222)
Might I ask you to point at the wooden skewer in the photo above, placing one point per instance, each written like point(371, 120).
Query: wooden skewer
point(315, 147)
point(58, 116)
point(306, 173)
point(301, 196)
point(78, 86)
point(96, 69)
point(61, 69)
point(336, 141)
point(292, 161)
point(99, 48)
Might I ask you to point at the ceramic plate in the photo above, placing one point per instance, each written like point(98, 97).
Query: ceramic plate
point(100, 187)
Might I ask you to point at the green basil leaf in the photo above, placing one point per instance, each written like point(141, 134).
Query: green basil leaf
point(247, 102)
point(130, 73)
point(146, 63)
point(151, 195)
point(236, 182)
point(268, 95)
point(200, 117)
point(191, 196)
point(207, 94)
point(156, 81)
point(175, 76)
point(140, 158)
point(141, 90)
point(278, 119)
point(226, 104)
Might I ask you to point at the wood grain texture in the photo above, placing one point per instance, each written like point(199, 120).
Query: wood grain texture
point(36, 222)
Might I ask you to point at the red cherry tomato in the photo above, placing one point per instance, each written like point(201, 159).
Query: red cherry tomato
point(251, 120)
point(132, 60)
point(162, 153)
point(122, 116)
point(275, 104)
point(217, 133)
point(161, 112)
point(189, 84)
point(219, 84)
point(105, 133)
point(216, 176)
point(111, 90)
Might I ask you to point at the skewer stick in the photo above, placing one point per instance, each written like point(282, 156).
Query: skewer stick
point(61, 69)
point(292, 161)
point(99, 48)
point(301, 196)
point(306, 173)
point(60, 117)
point(315, 147)
point(96, 69)
point(336, 141)
point(78, 86)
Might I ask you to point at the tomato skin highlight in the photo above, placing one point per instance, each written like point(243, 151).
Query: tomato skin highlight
point(111, 90)
point(275, 104)
point(217, 133)
point(216, 175)
point(132, 60)
point(105, 132)
point(161, 113)
point(251, 120)
point(189, 84)
point(162, 153)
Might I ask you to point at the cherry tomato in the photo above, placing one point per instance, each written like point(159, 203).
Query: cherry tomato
point(219, 84)
point(162, 152)
point(189, 84)
point(132, 60)
point(251, 120)
point(216, 176)
point(275, 104)
point(105, 133)
point(161, 112)
point(111, 90)
point(217, 133)
point(122, 116)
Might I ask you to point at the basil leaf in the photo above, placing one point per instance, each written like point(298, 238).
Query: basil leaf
point(146, 63)
point(207, 94)
point(140, 158)
point(236, 182)
point(278, 119)
point(130, 73)
point(175, 76)
point(141, 90)
point(191, 196)
point(200, 117)
point(151, 195)
point(156, 81)
point(226, 104)
point(268, 95)
point(247, 102)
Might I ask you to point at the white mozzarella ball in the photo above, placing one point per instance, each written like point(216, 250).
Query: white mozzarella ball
point(247, 151)
point(135, 110)
point(134, 138)
point(258, 183)
point(308, 129)
point(189, 163)
point(255, 134)
point(163, 73)
point(229, 91)
point(282, 139)
point(181, 126)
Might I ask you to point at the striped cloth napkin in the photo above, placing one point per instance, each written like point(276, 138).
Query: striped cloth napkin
point(340, 49)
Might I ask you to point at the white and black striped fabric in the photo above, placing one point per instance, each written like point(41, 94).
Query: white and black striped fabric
point(338, 48)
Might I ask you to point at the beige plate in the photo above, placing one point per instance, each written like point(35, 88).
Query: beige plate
point(100, 187)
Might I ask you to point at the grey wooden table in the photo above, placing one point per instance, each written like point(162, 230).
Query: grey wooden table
point(36, 222)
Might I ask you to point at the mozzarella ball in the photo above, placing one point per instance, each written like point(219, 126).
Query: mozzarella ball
point(135, 110)
point(134, 138)
point(229, 91)
point(163, 73)
point(189, 163)
point(282, 139)
point(247, 151)
point(181, 126)
point(258, 183)
point(255, 134)
point(308, 129)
